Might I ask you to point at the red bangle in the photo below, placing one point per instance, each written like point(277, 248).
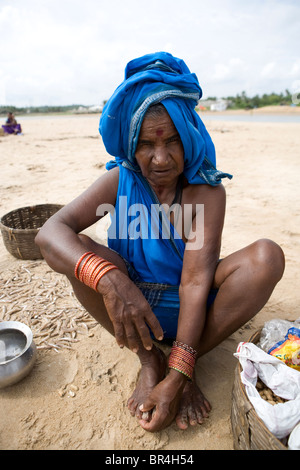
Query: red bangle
point(186, 347)
point(104, 271)
point(86, 267)
point(79, 261)
point(92, 269)
point(183, 359)
point(98, 269)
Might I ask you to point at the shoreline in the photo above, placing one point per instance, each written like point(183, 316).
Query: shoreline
point(284, 110)
point(267, 110)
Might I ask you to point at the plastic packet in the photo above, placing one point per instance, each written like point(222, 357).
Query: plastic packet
point(288, 350)
point(274, 331)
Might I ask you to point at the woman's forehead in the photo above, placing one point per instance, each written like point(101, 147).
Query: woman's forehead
point(158, 125)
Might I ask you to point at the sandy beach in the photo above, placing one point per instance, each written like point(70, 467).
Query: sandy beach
point(75, 397)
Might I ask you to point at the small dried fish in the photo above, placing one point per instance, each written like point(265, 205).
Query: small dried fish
point(45, 301)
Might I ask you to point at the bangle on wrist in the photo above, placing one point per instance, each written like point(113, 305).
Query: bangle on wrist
point(183, 359)
point(90, 268)
point(79, 261)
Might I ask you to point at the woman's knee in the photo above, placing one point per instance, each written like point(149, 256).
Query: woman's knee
point(269, 257)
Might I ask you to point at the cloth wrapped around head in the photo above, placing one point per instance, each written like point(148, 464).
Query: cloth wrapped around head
point(151, 79)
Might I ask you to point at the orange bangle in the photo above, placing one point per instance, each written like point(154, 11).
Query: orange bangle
point(97, 270)
point(92, 269)
point(101, 274)
point(85, 269)
point(79, 261)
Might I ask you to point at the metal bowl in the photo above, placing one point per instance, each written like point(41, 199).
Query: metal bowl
point(17, 352)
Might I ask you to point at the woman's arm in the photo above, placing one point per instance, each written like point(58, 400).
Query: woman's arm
point(61, 247)
point(198, 271)
point(199, 266)
point(58, 238)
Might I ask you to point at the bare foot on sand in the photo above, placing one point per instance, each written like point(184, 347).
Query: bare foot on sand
point(193, 406)
point(153, 370)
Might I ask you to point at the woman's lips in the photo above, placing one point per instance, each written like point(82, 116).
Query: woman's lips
point(162, 171)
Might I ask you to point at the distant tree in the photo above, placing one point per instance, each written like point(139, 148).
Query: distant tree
point(242, 101)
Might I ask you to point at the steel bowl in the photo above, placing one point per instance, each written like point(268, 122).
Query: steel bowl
point(17, 352)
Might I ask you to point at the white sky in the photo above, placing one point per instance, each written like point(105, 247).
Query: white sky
point(60, 52)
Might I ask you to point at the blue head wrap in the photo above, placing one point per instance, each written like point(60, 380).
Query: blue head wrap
point(151, 79)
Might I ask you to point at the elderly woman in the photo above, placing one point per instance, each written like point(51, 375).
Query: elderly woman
point(160, 277)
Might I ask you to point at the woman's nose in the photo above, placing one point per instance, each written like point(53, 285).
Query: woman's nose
point(161, 156)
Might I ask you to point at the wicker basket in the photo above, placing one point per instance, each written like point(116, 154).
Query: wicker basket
point(20, 227)
point(249, 431)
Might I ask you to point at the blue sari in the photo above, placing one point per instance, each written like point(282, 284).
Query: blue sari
point(150, 246)
point(154, 263)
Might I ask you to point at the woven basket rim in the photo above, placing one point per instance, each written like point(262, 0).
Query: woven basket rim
point(22, 230)
point(242, 387)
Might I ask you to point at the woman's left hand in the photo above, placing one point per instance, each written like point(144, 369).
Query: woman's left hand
point(163, 402)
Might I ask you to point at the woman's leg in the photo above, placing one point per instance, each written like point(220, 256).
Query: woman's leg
point(153, 363)
point(246, 280)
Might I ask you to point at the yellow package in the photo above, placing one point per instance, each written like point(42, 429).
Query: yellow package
point(288, 350)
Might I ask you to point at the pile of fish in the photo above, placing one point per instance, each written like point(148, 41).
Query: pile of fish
point(42, 299)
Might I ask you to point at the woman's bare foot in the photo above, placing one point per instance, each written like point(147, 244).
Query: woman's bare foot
point(193, 406)
point(153, 370)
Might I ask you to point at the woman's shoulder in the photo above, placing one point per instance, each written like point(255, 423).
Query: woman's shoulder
point(200, 193)
point(110, 177)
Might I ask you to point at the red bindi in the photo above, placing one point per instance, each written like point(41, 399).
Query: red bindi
point(159, 132)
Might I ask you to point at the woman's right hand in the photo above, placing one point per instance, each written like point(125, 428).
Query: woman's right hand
point(128, 311)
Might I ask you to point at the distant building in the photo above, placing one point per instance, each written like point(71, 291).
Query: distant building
point(95, 109)
point(206, 103)
point(219, 105)
point(81, 109)
point(88, 109)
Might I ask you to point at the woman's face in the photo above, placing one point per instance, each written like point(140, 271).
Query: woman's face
point(159, 152)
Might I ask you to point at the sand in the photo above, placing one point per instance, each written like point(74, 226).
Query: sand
point(76, 398)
